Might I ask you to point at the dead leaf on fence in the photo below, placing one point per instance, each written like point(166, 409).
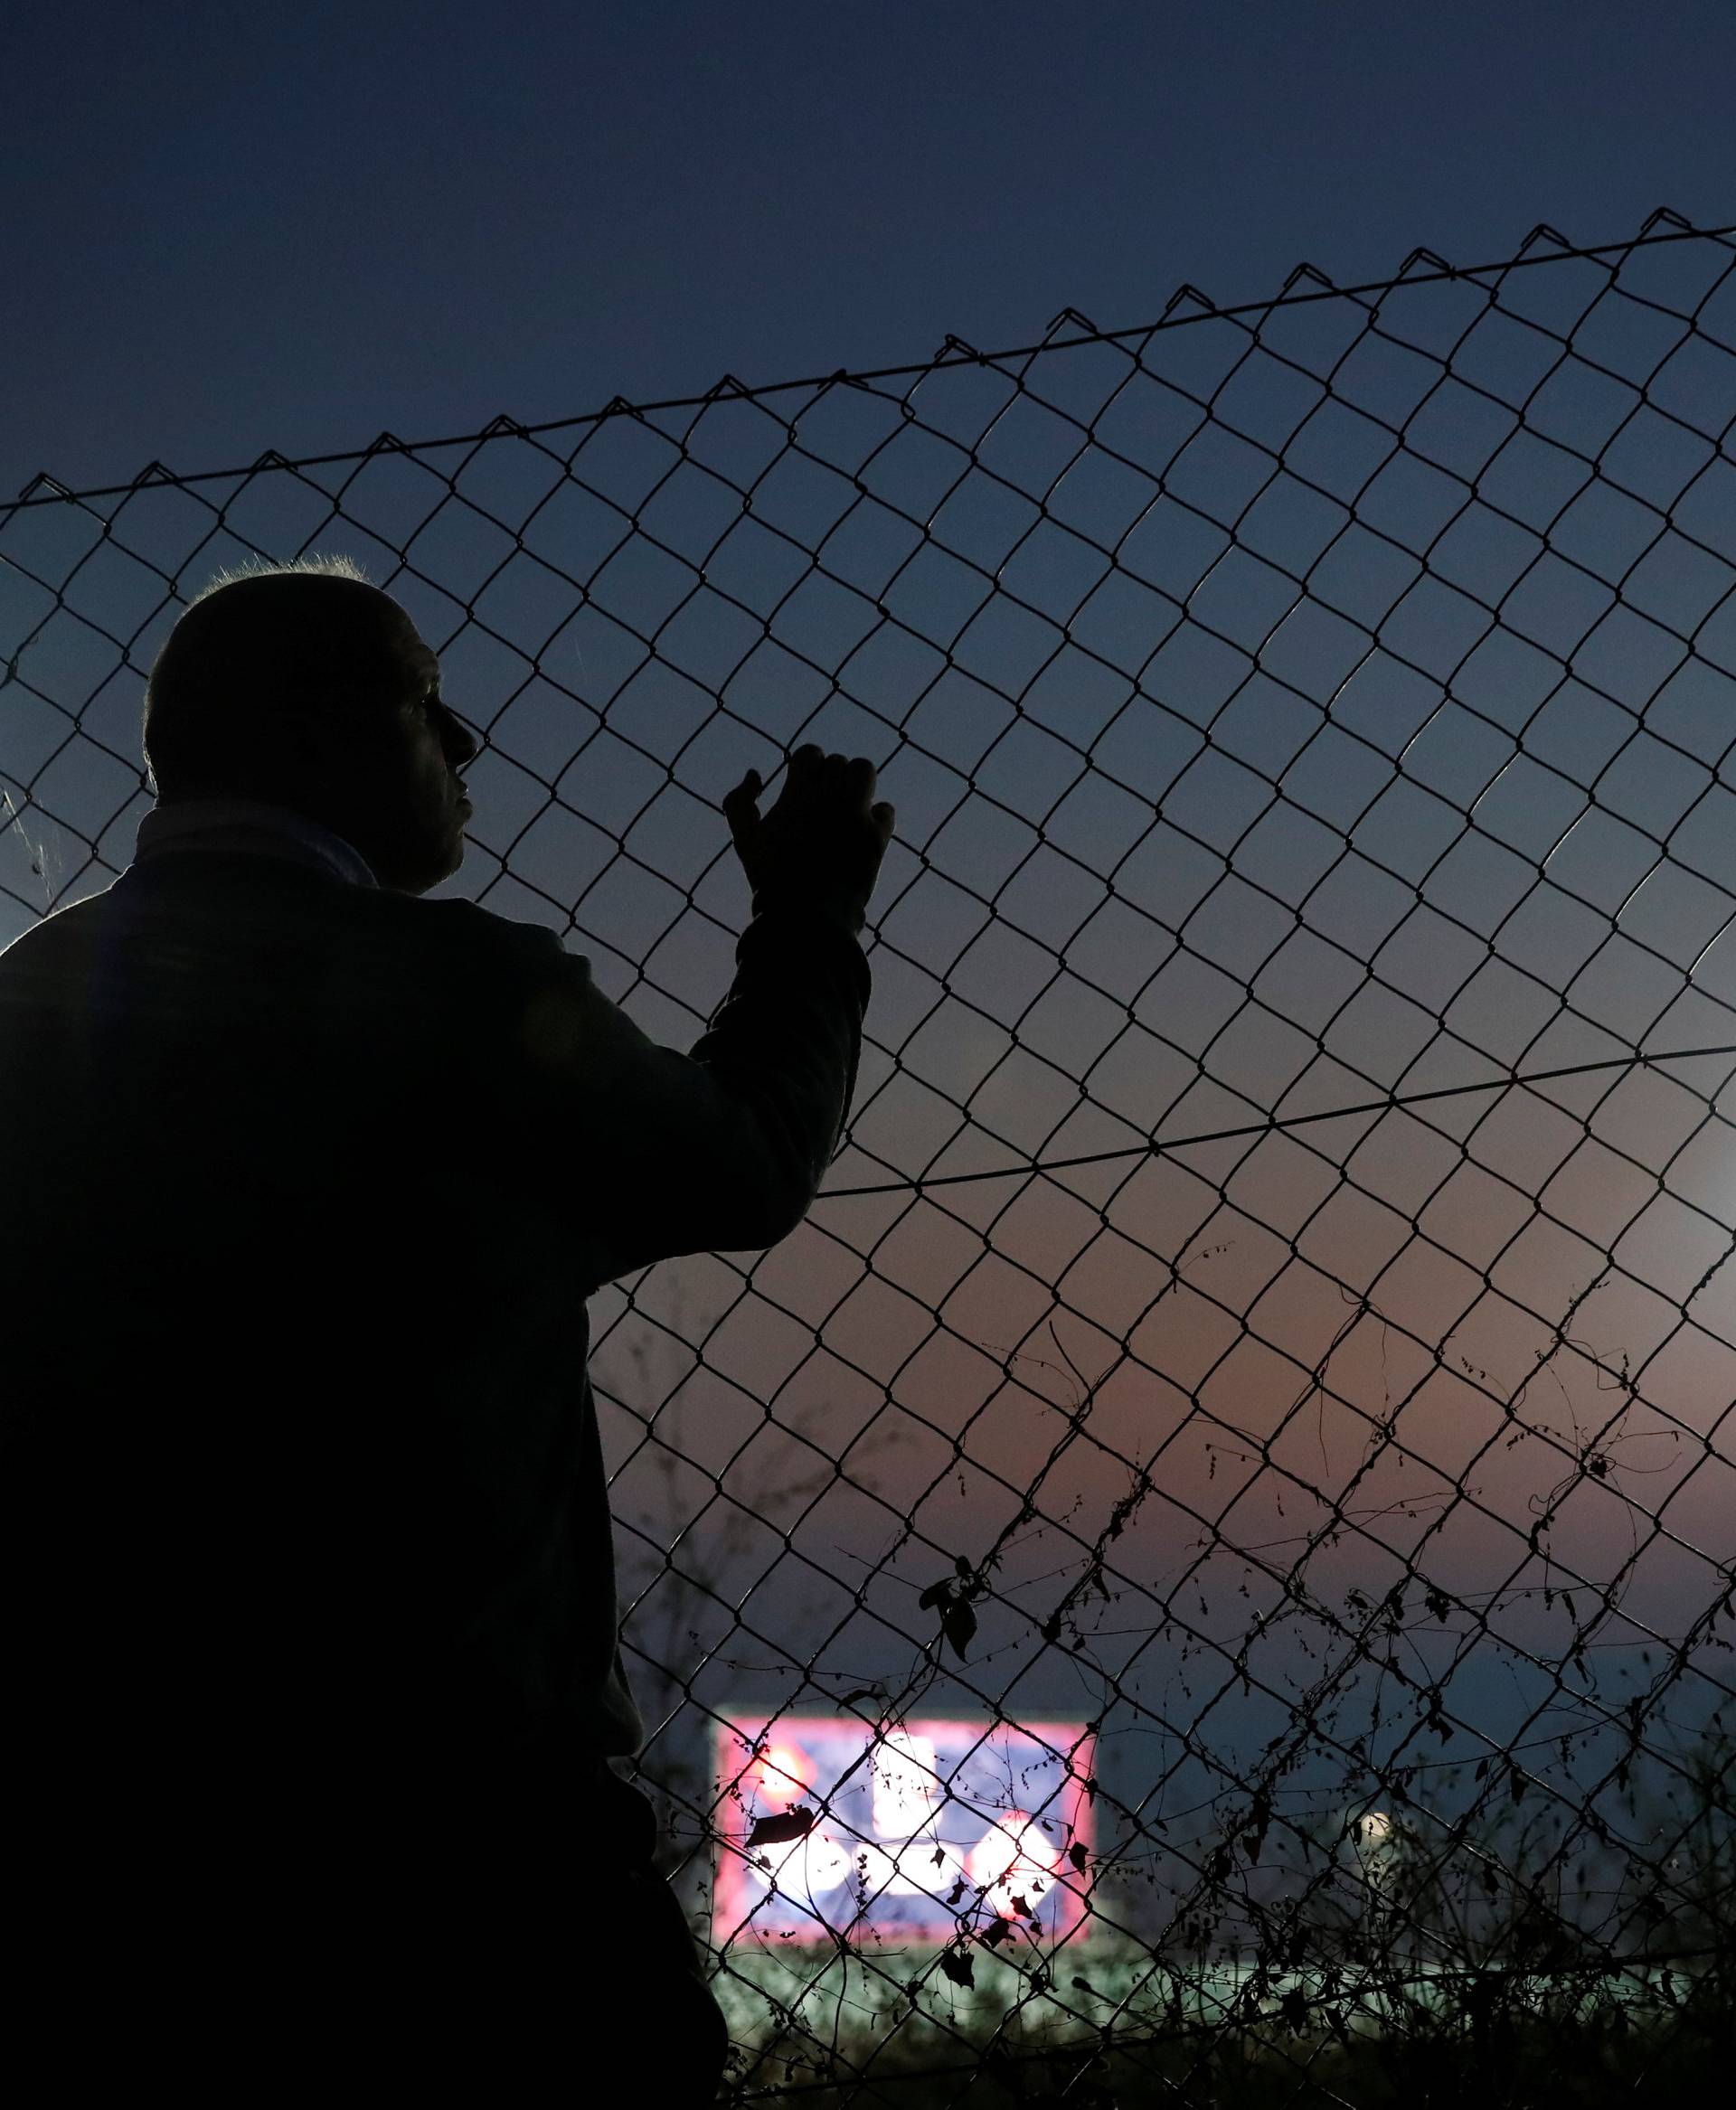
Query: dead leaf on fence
point(958, 1623)
point(958, 1967)
point(780, 1830)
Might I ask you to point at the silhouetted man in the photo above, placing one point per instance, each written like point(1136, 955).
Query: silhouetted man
point(312, 1678)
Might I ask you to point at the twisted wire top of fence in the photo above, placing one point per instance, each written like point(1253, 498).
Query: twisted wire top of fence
point(1218, 1525)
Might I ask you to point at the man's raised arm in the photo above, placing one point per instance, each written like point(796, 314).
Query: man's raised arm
point(650, 1153)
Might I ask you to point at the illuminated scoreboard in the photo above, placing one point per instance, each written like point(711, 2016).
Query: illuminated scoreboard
point(829, 1826)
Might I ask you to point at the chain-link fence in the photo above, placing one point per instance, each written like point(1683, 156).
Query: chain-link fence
point(1205, 1566)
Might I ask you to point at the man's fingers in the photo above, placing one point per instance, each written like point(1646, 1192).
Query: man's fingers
point(809, 772)
point(738, 807)
point(743, 795)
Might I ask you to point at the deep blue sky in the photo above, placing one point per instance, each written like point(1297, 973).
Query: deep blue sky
point(229, 229)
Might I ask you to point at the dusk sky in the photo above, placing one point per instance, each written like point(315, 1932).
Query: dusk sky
point(229, 229)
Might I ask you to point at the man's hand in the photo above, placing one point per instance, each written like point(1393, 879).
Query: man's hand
point(824, 836)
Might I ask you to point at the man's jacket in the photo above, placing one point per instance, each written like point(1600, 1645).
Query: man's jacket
point(305, 1186)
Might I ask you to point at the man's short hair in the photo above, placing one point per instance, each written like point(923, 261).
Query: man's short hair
point(245, 654)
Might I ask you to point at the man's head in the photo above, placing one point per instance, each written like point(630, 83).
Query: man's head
point(306, 686)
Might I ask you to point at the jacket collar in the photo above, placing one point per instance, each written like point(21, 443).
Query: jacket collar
point(250, 826)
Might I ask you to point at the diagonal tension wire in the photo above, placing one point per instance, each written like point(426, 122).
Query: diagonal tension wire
point(1274, 1123)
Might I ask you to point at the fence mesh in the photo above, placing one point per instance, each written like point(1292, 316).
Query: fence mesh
point(1244, 1441)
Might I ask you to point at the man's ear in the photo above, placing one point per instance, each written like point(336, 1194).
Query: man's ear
point(315, 746)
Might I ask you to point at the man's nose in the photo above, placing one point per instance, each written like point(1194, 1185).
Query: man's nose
point(461, 744)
